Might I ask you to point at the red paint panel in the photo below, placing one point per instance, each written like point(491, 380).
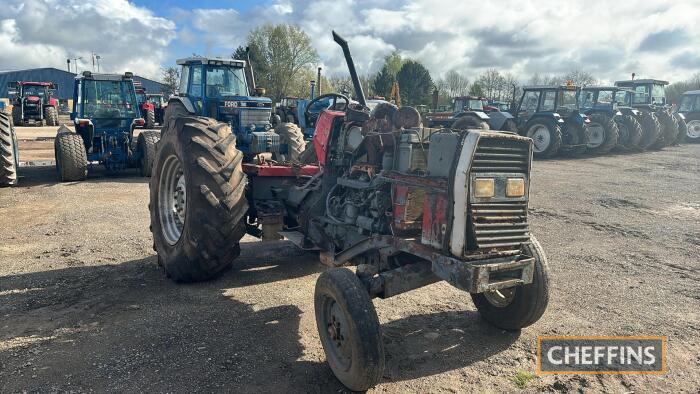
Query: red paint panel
point(270, 170)
point(324, 124)
point(434, 220)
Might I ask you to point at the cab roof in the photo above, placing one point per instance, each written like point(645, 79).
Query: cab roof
point(691, 92)
point(105, 77)
point(641, 81)
point(551, 87)
point(211, 61)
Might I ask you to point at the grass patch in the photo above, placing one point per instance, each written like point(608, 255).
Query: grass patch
point(522, 378)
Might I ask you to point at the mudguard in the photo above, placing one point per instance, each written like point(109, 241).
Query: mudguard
point(498, 119)
point(479, 114)
point(185, 101)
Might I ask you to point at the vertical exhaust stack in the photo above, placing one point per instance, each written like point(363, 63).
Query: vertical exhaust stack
point(351, 67)
point(318, 82)
point(249, 72)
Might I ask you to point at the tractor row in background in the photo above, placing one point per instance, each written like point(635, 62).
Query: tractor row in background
point(105, 114)
point(33, 103)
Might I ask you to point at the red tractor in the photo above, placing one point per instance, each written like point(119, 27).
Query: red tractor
point(407, 205)
point(146, 106)
point(33, 103)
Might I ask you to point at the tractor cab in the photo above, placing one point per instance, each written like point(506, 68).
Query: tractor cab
point(218, 89)
point(105, 112)
point(689, 108)
point(549, 114)
point(647, 92)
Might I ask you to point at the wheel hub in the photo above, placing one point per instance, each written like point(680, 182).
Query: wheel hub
point(172, 199)
point(337, 329)
point(597, 135)
point(500, 298)
point(540, 137)
point(693, 129)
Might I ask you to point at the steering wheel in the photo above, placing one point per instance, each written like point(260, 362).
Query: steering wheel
point(312, 117)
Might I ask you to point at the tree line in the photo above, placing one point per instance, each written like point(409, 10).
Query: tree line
point(284, 62)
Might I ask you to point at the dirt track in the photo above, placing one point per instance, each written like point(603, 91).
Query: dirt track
point(84, 306)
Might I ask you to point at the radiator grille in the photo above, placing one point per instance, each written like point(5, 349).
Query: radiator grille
point(257, 116)
point(501, 155)
point(500, 225)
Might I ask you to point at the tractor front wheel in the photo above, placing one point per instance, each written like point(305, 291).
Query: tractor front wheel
point(682, 129)
point(9, 160)
point(146, 148)
point(546, 137)
point(17, 115)
point(349, 329)
point(150, 119)
point(197, 199)
point(71, 158)
point(520, 306)
point(51, 116)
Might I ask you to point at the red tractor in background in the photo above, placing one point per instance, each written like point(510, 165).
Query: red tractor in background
point(147, 108)
point(33, 103)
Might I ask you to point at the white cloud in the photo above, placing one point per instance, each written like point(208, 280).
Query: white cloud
point(36, 33)
point(522, 37)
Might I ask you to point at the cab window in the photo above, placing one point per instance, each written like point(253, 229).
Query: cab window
point(549, 101)
point(641, 95)
point(658, 93)
point(196, 83)
point(587, 99)
point(605, 97)
point(529, 102)
point(184, 78)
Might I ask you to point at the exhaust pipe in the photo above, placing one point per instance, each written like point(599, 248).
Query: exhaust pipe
point(351, 67)
point(249, 71)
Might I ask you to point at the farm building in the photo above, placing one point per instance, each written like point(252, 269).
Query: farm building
point(64, 79)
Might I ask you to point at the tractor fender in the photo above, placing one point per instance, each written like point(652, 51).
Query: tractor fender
point(53, 102)
point(549, 115)
point(578, 118)
point(479, 114)
point(497, 119)
point(185, 101)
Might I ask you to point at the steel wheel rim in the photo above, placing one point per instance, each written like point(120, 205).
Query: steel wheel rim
point(172, 199)
point(540, 137)
point(336, 334)
point(596, 136)
point(693, 129)
point(500, 298)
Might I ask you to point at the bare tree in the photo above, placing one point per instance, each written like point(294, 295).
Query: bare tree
point(171, 79)
point(675, 90)
point(284, 51)
point(489, 82)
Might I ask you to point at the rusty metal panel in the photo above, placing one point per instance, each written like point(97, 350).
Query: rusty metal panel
point(434, 220)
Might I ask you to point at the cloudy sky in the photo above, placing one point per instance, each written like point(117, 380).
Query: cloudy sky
point(659, 38)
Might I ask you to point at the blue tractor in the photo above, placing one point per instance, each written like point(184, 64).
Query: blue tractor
point(225, 90)
point(660, 125)
point(613, 121)
point(105, 113)
point(690, 110)
point(549, 114)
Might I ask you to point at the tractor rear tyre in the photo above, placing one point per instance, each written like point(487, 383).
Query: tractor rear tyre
point(630, 132)
point(669, 131)
point(150, 119)
point(604, 133)
point(146, 145)
point(17, 115)
point(546, 137)
point(575, 139)
point(9, 152)
point(71, 158)
point(652, 129)
point(469, 122)
point(349, 329)
point(682, 129)
point(173, 111)
point(291, 135)
point(51, 116)
point(520, 306)
point(692, 133)
point(197, 199)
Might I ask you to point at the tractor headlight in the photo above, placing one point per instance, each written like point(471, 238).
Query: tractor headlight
point(515, 187)
point(483, 187)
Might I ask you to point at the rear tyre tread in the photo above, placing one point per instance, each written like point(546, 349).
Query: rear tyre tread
point(8, 152)
point(71, 158)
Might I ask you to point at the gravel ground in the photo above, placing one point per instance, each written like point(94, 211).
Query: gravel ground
point(85, 307)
